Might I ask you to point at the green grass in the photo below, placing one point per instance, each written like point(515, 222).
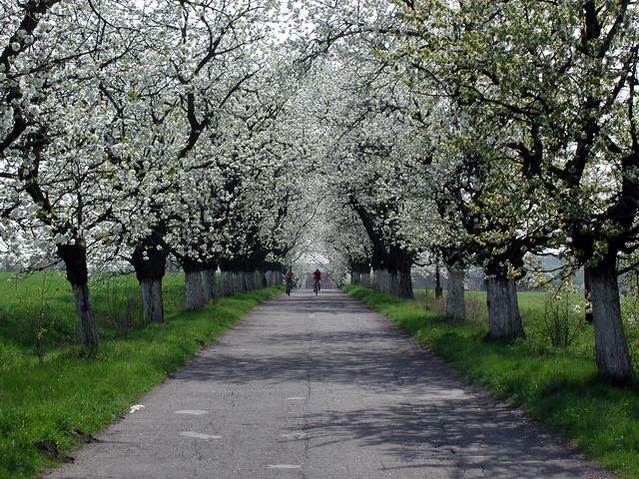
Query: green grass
point(556, 386)
point(49, 400)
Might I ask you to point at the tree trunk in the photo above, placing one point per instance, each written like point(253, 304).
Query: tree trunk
point(223, 283)
point(611, 346)
point(439, 291)
point(209, 284)
point(355, 278)
point(152, 300)
point(150, 265)
point(404, 282)
point(504, 319)
point(194, 290)
point(238, 283)
point(365, 280)
point(455, 303)
point(381, 281)
point(75, 261)
point(88, 327)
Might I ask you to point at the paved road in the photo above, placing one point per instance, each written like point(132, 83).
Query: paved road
point(320, 388)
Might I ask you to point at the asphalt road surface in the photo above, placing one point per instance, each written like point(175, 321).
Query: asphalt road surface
point(318, 388)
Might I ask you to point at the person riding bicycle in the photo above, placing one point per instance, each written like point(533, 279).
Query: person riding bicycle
point(289, 278)
point(317, 280)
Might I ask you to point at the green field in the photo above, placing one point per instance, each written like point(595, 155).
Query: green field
point(53, 394)
point(556, 385)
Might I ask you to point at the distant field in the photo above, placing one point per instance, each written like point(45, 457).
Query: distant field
point(556, 385)
point(52, 394)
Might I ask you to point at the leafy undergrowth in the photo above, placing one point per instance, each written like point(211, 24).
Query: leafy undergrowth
point(52, 405)
point(556, 386)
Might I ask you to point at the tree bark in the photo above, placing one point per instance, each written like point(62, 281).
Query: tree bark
point(84, 310)
point(238, 283)
point(75, 261)
point(504, 319)
point(355, 278)
point(152, 301)
point(455, 302)
point(381, 281)
point(209, 284)
point(150, 265)
point(439, 291)
point(611, 346)
point(398, 283)
point(194, 290)
point(225, 283)
point(404, 282)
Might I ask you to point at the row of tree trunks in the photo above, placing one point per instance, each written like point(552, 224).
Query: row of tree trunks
point(233, 282)
point(361, 273)
point(505, 323)
point(398, 282)
point(361, 279)
point(201, 284)
point(272, 278)
point(150, 267)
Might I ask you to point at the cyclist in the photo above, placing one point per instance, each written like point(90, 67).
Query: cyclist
point(317, 281)
point(290, 277)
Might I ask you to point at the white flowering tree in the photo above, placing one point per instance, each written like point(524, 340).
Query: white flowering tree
point(173, 104)
point(564, 76)
point(51, 156)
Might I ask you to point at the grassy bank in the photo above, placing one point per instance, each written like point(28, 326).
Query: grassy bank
point(557, 386)
point(53, 396)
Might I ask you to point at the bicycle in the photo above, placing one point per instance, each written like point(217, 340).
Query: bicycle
point(316, 287)
point(289, 287)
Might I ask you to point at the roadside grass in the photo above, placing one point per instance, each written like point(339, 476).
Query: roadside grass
point(51, 405)
point(557, 386)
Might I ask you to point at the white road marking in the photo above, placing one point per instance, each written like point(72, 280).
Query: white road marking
point(192, 412)
point(199, 435)
point(296, 398)
point(284, 466)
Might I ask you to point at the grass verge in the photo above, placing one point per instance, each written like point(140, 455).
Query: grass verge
point(559, 387)
point(52, 405)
